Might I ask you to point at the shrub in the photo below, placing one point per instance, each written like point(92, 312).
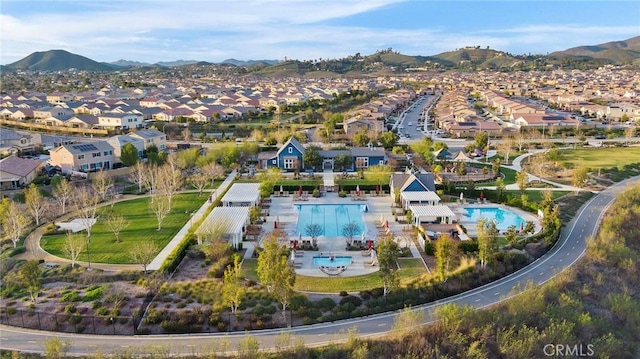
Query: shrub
point(343, 293)
point(326, 304)
point(75, 319)
point(70, 309)
point(352, 300)
point(72, 296)
point(17, 250)
point(93, 293)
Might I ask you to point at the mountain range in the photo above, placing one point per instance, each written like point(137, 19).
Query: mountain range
point(472, 57)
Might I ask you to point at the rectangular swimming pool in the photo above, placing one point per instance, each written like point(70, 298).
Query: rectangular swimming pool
point(331, 217)
point(335, 261)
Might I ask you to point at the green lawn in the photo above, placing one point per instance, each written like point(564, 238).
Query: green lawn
point(142, 227)
point(596, 158)
point(410, 268)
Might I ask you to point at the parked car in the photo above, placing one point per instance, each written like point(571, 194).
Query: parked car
point(600, 137)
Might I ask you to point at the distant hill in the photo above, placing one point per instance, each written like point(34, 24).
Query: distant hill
point(176, 63)
point(249, 63)
point(128, 63)
point(477, 57)
point(56, 60)
point(615, 52)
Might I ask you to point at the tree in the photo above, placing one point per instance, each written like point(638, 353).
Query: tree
point(407, 321)
point(269, 261)
point(284, 281)
point(521, 180)
point(199, 181)
point(424, 149)
point(13, 220)
point(349, 230)
point(31, 277)
point(388, 139)
point(129, 155)
point(387, 252)
point(314, 231)
point(72, 246)
point(505, 146)
point(160, 206)
point(361, 138)
point(187, 158)
point(35, 203)
point(462, 169)
point(117, 223)
point(481, 141)
point(521, 139)
point(500, 188)
point(56, 348)
point(311, 157)
point(445, 248)
point(344, 161)
point(233, 290)
point(487, 236)
point(379, 174)
point(580, 175)
point(62, 193)
point(143, 253)
point(138, 174)
point(168, 180)
point(629, 132)
point(511, 235)
point(213, 170)
point(87, 203)
point(102, 184)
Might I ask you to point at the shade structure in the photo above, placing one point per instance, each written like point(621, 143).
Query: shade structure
point(242, 195)
point(230, 221)
point(427, 213)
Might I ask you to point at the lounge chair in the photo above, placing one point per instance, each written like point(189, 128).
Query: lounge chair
point(298, 253)
point(366, 253)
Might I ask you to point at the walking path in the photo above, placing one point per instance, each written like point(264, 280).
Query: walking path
point(517, 166)
point(35, 251)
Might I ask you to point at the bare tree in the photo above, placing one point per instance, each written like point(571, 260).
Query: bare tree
point(349, 230)
point(505, 147)
point(143, 253)
point(199, 181)
point(168, 180)
point(62, 193)
point(102, 184)
point(629, 133)
point(160, 206)
point(87, 203)
point(72, 246)
point(213, 170)
point(138, 174)
point(117, 223)
point(521, 139)
point(13, 220)
point(35, 203)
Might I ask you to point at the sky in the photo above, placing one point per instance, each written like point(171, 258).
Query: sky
point(214, 30)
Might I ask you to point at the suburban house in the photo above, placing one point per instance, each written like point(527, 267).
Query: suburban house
point(537, 120)
point(151, 137)
point(290, 157)
point(16, 172)
point(355, 125)
point(117, 142)
point(83, 157)
point(123, 121)
point(13, 142)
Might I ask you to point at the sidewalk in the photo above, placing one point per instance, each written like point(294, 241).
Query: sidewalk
point(34, 251)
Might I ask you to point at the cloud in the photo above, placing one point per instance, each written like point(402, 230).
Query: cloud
point(154, 31)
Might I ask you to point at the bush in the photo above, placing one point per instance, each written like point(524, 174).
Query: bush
point(93, 293)
point(70, 309)
point(352, 300)
point(72, 296)
point(326, 304)
point(17, 250)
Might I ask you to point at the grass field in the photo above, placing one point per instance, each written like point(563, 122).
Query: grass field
point(596, 158)
point(142, 227)
point(410, 269)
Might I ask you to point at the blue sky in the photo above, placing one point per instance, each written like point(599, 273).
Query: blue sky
point(215, 30)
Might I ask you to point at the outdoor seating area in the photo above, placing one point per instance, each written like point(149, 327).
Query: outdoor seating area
point(358, 196)
point(301, 196)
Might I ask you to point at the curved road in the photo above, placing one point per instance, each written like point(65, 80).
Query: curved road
point(570, 248)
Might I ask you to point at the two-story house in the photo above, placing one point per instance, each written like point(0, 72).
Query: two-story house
point(123, 121)
point(83, 157)
point(151, 137)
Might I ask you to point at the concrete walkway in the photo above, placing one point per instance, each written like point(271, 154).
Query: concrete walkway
point(35, 251)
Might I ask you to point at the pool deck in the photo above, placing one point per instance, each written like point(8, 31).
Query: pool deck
point(283, 210)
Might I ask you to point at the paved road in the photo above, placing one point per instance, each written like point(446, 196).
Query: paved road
point(567, 251)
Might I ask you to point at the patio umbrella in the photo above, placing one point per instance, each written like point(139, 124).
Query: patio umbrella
point(369, 244)
point(362, 236)
point(481, 195)
point(461, 196)
point(281, 190)
point(275, 224)
point(300, 190)
point(521, 226)
point(358, 189)
point(386, 224)
point(377, 188)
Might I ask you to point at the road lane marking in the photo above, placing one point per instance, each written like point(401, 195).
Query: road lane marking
point(497, 293)
point(541, 273)
point(322, 334)
point(477, 300)
point(31, 342)
point(382, 324)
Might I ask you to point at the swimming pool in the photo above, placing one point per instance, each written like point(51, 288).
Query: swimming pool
point(326, 261)
point(503, 217)
point(331, 217)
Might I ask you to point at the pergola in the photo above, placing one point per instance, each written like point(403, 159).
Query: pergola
point(419, 197)
point(426, 213)
point(230, 222)
point(242, 195)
